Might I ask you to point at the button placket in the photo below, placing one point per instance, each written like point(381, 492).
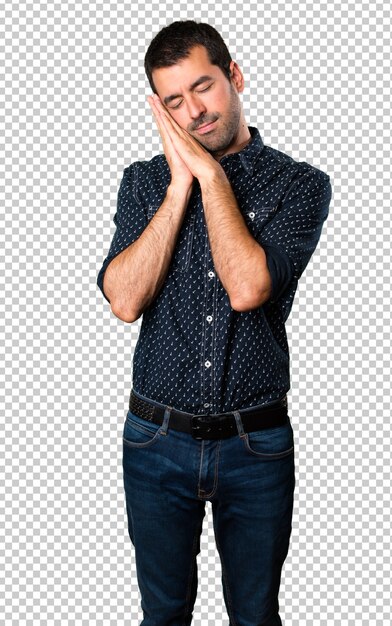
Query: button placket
point(207, 363)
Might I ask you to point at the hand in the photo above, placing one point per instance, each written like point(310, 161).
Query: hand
point(198, 160)
point(180, 173)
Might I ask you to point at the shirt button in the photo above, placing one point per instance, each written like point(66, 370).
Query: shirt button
point(206, 404)
point(211, 274)
point(207, 363)
point(251, 215)
point(209, 318)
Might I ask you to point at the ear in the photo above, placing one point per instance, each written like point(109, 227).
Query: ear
point(236, 76)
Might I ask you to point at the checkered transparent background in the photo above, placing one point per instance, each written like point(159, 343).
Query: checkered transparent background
point(74, 114)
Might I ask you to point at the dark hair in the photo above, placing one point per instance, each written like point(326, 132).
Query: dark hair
point(175, 41)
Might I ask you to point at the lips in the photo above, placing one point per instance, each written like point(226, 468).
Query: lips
point(206, 128)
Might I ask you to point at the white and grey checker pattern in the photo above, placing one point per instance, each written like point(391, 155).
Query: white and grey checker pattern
point(317, 85)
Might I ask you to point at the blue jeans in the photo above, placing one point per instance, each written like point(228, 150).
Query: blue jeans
point(248, 478)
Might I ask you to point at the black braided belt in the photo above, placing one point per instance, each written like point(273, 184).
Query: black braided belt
point(214, 425)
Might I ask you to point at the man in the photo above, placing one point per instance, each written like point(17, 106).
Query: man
point(212, 237)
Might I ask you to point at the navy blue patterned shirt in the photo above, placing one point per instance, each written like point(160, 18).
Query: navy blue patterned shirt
point(194, 351)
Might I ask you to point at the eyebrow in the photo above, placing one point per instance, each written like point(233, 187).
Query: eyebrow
point(201, 79)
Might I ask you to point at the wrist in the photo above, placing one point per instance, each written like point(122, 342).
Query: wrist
point(179, 192)
point(179, 189)
point(215, 174)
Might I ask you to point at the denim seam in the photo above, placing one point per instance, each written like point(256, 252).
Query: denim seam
point(266, 455)
point(229, 598)
point(201, 492)
point(191, 574)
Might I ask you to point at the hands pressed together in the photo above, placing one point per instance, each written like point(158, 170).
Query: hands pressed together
point(186, 157)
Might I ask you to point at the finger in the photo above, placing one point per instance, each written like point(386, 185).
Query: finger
point(180, 140)
point(181, 133)
point(172, 138)
point(158, 119)
point(166, 115)
point(164, 129)
point(155, 111)
point(168, 123)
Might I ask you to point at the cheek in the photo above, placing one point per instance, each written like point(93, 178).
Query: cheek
point(218, 103)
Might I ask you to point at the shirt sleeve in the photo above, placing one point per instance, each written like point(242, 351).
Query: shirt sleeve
point(130, 220)
point(281, 269)
point(291, 237)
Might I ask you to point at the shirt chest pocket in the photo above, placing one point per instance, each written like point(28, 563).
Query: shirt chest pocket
point(257, 218)
point(182, 254)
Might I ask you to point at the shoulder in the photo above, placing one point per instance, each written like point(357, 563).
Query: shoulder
point(149, 178)
point(291, 168)
point(148, 169)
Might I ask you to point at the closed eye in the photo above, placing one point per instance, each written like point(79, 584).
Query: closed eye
point(201, 91)
point(206, 89)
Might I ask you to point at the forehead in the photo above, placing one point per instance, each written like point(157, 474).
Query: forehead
point(185, 72)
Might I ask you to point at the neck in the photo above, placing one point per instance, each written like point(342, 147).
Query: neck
point(239, 142)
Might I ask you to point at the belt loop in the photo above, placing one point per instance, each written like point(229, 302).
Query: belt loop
point(165, 423)
point(240, 426)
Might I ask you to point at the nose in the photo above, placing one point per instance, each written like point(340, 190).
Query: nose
point(196, 108)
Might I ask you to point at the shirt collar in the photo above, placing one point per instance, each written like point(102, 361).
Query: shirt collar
point(249, 154)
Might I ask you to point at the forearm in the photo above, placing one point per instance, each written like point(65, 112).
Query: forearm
point(135, 276)
point(239, 260)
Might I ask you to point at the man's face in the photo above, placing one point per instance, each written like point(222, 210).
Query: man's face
point(214, 99)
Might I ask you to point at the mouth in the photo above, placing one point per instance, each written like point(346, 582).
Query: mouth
point(206, 128)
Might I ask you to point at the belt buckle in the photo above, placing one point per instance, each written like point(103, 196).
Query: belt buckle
point(198, 428)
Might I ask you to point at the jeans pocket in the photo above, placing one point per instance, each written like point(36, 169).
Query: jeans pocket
point(271, 443)
point(138, 432)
